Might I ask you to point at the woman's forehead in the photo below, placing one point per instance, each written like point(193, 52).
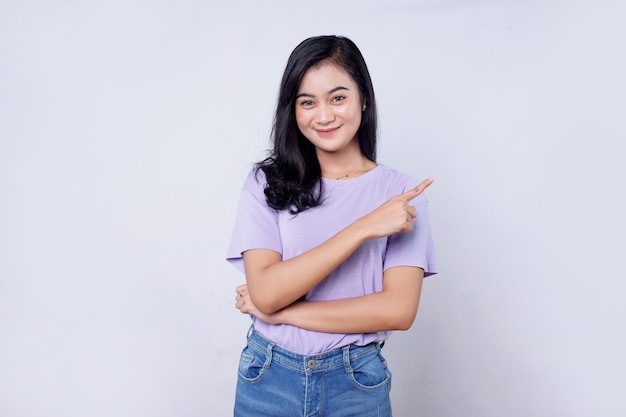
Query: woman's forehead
point(325, 77)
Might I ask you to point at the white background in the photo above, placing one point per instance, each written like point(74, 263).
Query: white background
point(127, 127)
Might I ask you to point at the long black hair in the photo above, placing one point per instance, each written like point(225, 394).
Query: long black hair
point(292, 169)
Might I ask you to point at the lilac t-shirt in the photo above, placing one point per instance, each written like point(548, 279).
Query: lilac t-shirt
point(257, 226)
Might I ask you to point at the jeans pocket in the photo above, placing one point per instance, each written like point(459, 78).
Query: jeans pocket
point(370, 372)
point(252, 365)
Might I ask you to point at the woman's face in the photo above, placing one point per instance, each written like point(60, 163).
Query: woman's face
point(328, 108)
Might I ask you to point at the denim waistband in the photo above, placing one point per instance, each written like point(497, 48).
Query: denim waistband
point(341, 357)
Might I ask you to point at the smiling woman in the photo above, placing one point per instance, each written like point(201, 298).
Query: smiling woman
point(334, 247)
point(328, 114)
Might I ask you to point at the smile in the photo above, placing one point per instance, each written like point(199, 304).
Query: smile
point(326, 132)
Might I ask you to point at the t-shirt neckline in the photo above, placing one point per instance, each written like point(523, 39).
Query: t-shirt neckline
point(372, 173)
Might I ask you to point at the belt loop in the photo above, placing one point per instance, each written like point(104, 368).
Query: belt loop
point(268, 354)
point(250, 330)
point(346, 358)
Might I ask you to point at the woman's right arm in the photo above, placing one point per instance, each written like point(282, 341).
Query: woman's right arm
point(274, 283)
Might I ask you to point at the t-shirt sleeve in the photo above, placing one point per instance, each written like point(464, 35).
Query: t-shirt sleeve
point(415, 248)
point(256, 224)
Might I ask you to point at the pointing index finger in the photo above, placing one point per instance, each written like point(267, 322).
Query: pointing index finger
point(414, 192)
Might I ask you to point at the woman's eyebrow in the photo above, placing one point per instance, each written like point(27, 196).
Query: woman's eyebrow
point(334, 90)
point(338, 88)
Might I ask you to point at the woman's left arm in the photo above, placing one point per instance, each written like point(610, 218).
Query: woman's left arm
point(394, 308)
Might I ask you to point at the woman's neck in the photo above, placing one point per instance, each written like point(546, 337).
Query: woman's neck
point(349, 166)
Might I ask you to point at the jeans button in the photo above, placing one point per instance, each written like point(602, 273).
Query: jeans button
point(311, 364)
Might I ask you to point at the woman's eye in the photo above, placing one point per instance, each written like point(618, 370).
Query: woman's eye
point(306, 103)
point(337, 99)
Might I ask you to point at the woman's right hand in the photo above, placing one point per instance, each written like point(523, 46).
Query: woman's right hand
point(394, 216)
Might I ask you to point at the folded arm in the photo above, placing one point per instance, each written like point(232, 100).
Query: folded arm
point(274, 283)
point(394, 308)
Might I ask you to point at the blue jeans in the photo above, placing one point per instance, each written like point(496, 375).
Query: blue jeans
point(352, 381)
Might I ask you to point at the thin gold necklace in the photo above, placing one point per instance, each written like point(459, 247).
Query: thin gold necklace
point(353, 172)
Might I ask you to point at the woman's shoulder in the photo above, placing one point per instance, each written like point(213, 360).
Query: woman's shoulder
point(255, 180)
point(399, 181)
point(395, 176)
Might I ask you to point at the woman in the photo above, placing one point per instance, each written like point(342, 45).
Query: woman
point(334, 247)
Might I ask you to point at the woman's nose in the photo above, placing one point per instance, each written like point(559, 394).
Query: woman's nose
point(325, 114)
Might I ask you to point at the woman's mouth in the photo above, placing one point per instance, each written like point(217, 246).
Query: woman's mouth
point(326, 132)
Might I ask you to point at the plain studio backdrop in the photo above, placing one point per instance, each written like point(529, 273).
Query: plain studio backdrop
point(127, 128)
